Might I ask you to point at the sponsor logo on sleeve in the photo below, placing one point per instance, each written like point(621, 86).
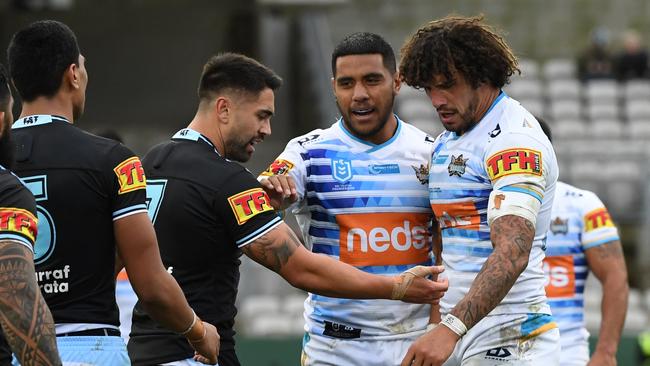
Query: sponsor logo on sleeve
point(560, 276)
point(18, 221)
point(382, 239)
point(597, 219)
point(130, 175)
point(278, 167)
point(245, 205)
point(514, 161)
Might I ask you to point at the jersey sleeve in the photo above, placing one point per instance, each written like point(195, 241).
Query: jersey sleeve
point(127, 183)
point(291, 162)
point(246, 208)
point(18, 217)
point(519, 162)
point(597, 225)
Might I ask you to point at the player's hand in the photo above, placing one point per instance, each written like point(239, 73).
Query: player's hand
point(602, 359)
point(433, 348)
point(281, 190)
point(413, 286)
point(207, 348)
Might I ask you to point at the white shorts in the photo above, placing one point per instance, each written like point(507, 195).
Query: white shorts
point(575, 354)
point(320, 350)
point(521, 340)
point(187, 362)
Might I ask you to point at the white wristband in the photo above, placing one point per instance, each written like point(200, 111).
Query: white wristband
point(454, 324)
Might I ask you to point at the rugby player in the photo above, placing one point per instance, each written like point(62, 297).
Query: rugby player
point(362, 199)
point(491, 184)
point(90, 194)
point(24, 316)
point(583, 238)
point(208, 210)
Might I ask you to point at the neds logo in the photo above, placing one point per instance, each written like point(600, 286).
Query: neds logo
point(375, 239)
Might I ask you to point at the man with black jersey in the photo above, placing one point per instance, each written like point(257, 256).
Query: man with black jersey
point(207, 210)
point(90, 195)
point(24, 316)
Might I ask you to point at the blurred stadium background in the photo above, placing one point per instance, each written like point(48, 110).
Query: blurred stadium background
point(144, 58)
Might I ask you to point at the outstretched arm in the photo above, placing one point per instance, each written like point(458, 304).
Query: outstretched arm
point(607, 263)
point(280, 251)
point(26, 320)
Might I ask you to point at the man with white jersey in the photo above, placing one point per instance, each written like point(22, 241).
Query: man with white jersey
point(361, 192)
point(583, 238)
point(491, 185)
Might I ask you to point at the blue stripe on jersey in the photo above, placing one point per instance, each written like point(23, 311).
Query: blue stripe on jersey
point(324, 233)
point(460, 193)
point(467, 250)
point(522, 190)
point(467, 234)
point(582, 275)
point(366, 185)
point(468, 267)
point(269, 225)
point(393, 269)
point(119, 213)
point(554, 250)
point(566, 303)
point(344, 203)
point(322, 216)
point(325, 249)
point(579, 316)
point(580, 289)
point(601, 242)
point(559, 239)
point(18, 238)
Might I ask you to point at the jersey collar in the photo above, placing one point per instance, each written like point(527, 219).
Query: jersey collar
point(37, 120)
point(374, 147)
point(192, 135)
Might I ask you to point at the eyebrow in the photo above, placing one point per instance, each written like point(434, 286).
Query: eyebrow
point(265, 113)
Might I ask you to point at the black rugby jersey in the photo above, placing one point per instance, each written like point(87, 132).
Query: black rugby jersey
point(204, 209)
point(82, 183)
point(17, 223)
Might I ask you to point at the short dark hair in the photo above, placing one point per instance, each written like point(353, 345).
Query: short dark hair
point(545, 127)
point(465, 44)
point(238, 73)
point(365, 43)
point(39, 55)
point(4, 88)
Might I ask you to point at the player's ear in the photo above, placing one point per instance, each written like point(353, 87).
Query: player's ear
point(223, 108)
point(397, 82)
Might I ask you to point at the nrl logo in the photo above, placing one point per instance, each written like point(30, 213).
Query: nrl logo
point(559, 226)
point(422, 173)
point(457, 166)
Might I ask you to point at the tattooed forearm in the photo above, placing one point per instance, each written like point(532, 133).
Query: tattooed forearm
point(274, 248)
point(26, 321)
point(512, 238)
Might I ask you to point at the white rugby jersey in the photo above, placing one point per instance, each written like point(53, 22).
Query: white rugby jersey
point(365, 205)
point(506, 150)
point(579, 221)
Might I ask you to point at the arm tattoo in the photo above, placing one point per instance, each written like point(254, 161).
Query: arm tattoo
point(512, 238)
point(26, 321)
point(608, 250)
point(274, 248)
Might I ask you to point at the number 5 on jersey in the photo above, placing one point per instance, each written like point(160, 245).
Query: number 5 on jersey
point(46, 239)
point(155, 195)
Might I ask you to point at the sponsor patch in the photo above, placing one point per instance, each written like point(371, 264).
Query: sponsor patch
point(376, 169)
point(462, 215)
point(514, 161)
point(18, 221)
point(342, 170)
point(278, 167)
point(383, 239)
point(457, 165)
point(247, 204)
point(560, 276)
point(597, 219)
point(130, 175)
point(341, 331)
point(559, 226)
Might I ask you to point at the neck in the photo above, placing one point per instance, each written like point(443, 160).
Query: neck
point(54, 105)
point(202, 124)
point(486, 98)
point(386, 133)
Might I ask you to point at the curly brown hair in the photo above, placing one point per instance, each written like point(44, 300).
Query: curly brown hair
point(464, 44)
